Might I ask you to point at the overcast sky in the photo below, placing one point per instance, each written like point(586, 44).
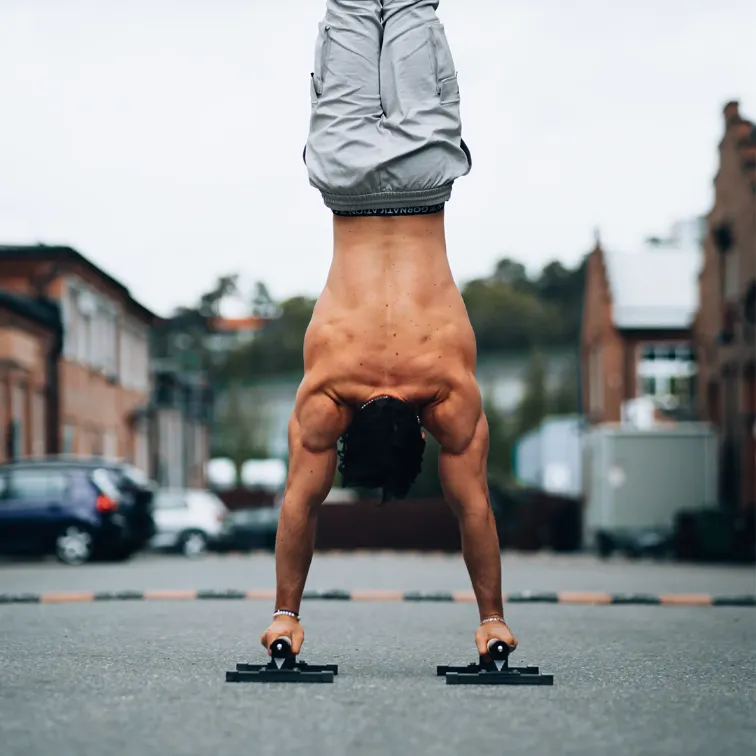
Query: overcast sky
point(163, 138)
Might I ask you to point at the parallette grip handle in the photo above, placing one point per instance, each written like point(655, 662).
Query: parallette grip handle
point(281, 648)
point(498, 650)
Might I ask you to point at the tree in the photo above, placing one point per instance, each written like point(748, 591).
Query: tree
point(504, 317)
point(278, 348)
point(209, 304)
point(563, 400)
point(263, 304)
point(241, 426)
point(511, 272)
point(534, 405)
point(182, 337)
point(501, 435)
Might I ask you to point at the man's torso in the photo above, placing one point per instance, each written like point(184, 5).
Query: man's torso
point(391, 321)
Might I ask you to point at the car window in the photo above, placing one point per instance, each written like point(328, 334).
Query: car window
point(104, 480)
point(170, 501)
point(26, 485)
point(208, 500)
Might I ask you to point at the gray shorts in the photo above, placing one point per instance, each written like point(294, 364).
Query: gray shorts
point(385, 127)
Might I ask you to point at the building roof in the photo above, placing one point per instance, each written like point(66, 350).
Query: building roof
point(67, 254)
point(249, 323)
point(655, 288)
point(40, 311)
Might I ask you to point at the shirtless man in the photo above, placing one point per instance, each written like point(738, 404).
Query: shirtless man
point(390, 349)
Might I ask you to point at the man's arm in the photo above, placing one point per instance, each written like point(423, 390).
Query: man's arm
point(310, 479)
point(314, 428)
point(465, 486)
point(463, 479)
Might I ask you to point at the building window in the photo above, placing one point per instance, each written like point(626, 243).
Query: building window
point(39, 434)
point(596, 379)
point(666, 372)
point(648, 385)
point(133, 356)
point(69, 439)
point(90, 323)
point(730, 277)
point(110, 444)
point(141, 450)
point(17, 434)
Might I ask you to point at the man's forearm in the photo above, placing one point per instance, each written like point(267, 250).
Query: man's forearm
point(295, 544)
point(480, 548)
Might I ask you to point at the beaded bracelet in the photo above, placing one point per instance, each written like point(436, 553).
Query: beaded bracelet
point(286, 613)
point(492, 619)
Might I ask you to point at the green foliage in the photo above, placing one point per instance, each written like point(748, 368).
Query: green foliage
point(502, 437)
point(537, 403)
point(240, 427)
point(182, 337)
point(278, 348)
point(427, 485)
point(506, 317)
point(563, 400)
point(508, 310)
point(534, 405)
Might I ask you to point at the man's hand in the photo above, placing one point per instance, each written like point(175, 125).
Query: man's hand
point(284, 626)
point(493, 631)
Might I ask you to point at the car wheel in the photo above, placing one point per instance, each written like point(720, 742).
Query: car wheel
point(193, 544)
point(74, 545)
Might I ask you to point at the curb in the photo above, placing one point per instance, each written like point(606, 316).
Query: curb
point(524, 597)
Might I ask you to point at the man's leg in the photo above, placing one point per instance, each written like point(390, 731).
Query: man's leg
point(342, 147)
point(422, 153)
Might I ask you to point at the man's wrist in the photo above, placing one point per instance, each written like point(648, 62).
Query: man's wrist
point(286, 613)
point(491, 611)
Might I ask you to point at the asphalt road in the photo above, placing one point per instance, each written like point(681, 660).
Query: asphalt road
point(148, 677)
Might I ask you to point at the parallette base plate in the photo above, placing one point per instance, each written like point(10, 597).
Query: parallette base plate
point(290, 671)
point(486, 673)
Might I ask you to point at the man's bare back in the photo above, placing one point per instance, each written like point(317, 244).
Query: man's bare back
point(391, 321)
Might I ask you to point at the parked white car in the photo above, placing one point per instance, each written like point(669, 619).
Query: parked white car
point(187, 520)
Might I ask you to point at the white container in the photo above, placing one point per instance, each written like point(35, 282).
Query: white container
point(639, 479)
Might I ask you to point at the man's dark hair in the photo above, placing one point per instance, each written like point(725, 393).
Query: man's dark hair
point(383, 448)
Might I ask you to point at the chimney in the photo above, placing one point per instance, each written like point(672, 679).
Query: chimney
point(732, 112)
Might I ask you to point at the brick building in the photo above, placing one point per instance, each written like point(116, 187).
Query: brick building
point(30, 340)
point(725, 327)
point(103, 372)
point(636, 336)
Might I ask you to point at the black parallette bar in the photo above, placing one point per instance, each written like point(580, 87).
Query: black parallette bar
point(227, 594)
point(472, 669)
point(118, 596)
point(526, 597)
point(439, 596)
point(19, 598)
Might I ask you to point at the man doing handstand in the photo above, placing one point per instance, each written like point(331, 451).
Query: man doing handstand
point(390, 349)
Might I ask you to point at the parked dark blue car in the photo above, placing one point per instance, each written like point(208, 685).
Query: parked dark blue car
point(78, 509)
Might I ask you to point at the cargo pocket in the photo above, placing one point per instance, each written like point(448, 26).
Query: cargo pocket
point(442, 60)
point(317, 77)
